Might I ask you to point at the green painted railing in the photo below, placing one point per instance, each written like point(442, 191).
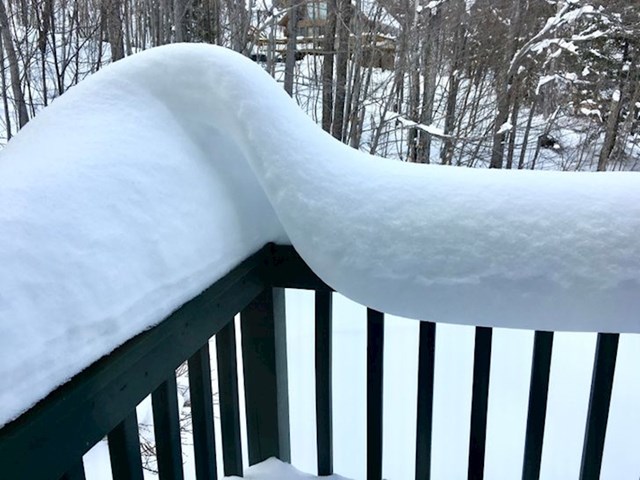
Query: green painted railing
point(48, 441)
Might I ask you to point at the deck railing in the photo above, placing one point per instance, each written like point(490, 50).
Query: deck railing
point(48, 441)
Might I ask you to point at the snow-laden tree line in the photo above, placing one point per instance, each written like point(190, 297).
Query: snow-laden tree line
point(499, 83)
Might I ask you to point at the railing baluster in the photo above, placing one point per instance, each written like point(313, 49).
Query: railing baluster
point(599, 401)
point(75, 473)
point(375, 366)
point(479, 402)
point(324, 428)
point(166, 427)
point(424, 422)
point(124, 450)
point(229, 400)
point(537, 412)
point(264, 357)
point(204, 446)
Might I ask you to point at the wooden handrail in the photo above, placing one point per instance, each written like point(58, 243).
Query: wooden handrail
point(49, 440)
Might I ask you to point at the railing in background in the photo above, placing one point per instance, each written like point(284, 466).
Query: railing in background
point(48, 441)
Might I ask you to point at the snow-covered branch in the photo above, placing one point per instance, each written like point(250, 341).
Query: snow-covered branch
point(568, 14)
point(430, 129)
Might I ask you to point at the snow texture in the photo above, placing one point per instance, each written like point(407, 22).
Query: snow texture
point(274, 469)
point(505, 127)
point(144, 184)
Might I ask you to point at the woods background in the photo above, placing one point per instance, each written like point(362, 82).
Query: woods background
point(500, 83)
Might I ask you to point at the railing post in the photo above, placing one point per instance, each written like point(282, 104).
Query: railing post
point(204, 445)
point(537, 412)
point(264, 355)
point(604, 367)
point(229, 400)
point(124, 450)
point(375, 375)
point(424, 418)
point(479, 402)
point(166, 425)
point(324, 427)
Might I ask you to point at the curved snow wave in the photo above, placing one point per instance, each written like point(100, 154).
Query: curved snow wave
point(144, 184)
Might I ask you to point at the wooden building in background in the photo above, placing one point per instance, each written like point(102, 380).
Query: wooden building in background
point(376, 39)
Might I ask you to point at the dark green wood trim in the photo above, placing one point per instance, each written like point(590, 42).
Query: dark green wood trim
point(166, 427)
point(479, 402)
point(324, 396)
point(424, 417)
point(604, 368)
point(375, 387)
point(75, 473)
point(124, 449)
point(537, 412)
point(101, 400)
point(229, 400)
point(265, 377)
point(201, 395)
point(67, 423)
point(289, 270)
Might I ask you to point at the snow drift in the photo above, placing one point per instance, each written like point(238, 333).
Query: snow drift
point(144, 184)
point(274, 469)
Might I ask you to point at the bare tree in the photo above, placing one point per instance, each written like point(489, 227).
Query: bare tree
point(111, 10)
point(628, 83)
point(180, 20)
point(328, 63)
point(343, 28)
point(5, 101)
point(292, 41)
point(14, 68)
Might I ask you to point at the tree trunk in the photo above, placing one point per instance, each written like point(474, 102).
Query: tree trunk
point(44, 25)
point(127, 27)
point(5, 103)
point(217, 33)
point(271, 46)
point(413, 59)
point(342, 59)
point(356, 127)
point(611, 131)
point(290, 60)
point(497, 151)
point(503, 89)
point(514, 129)
point(626, 129)
point(527, 130)
point(327, 65)
point(179, 20)
point(239, 23)
point(446, 154)
point(460, 35)
point(111, 9)
point(429, 74)
point(617, 100)
point(14, 69)
point(354, 78)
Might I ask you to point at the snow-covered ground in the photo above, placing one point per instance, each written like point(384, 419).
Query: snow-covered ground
point(144, 184)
